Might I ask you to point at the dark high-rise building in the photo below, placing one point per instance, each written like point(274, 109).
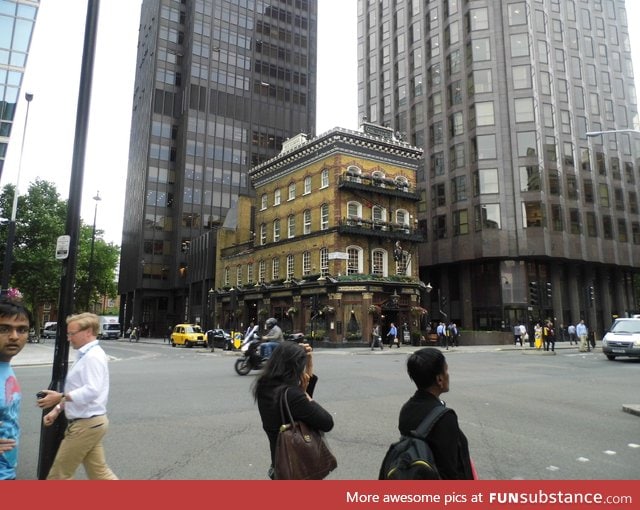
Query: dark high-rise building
point(528, 212)
point(220, 85)
point(17, 21)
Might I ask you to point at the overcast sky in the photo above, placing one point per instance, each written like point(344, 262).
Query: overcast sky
point(53, 72)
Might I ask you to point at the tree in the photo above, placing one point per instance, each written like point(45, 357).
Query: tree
point(40, 220)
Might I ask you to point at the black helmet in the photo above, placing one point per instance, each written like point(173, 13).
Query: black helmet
point(271, 322)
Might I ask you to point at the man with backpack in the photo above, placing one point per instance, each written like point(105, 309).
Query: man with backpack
point(444, 452)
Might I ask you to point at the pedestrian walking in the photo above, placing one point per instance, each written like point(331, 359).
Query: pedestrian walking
point(537, 334)
point(84, 403)
point(517, 334)
point(376, 338)
point(549, 337)
point(582, 331)
point(15, 322)
point(393, 336)
point(571, 331)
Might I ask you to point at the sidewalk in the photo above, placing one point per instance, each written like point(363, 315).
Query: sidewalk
point(42, 353)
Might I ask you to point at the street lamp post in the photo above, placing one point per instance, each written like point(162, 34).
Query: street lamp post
point(93, 241)
point(11, 232)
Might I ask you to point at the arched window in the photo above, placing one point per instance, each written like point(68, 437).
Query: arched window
point(291, 226)
point(354, 212)
point(276, 230)
point(402, 218)
point(307, 185)
point(402, 183)
point(292, 191)
point(354, 174)
point(379, 216)
point(306, 220)
point(379, 259)
point(354, 262)
point(263, 202)
point(263, 234)
point(324, 178)
point(324, 262)
point(324, 216)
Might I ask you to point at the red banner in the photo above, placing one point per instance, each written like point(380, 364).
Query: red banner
point(325, 495)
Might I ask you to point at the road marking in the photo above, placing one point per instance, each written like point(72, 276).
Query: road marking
point(552, 468)
point(633, 445)
point(609, 452)
point(582, 459)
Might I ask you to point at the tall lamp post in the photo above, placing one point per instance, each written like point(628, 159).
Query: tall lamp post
point(93, 242)
point(11, 233)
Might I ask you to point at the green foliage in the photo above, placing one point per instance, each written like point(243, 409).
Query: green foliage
point(40, 220)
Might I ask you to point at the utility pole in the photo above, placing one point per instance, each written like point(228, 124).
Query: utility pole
point(51, 437)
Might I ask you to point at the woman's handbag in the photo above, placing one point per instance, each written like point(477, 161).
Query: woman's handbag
point(301, 453)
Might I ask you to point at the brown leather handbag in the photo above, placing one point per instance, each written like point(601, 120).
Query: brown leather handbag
point(301, 452)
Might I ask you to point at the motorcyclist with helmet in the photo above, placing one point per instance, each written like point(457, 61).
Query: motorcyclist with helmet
point(272, 339)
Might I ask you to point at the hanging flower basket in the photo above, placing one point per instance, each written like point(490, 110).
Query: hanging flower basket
point(292, 311)
point(374, 310)
point(327, 310)
point(419, 311)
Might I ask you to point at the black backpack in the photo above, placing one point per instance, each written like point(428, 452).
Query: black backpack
point(411, 458)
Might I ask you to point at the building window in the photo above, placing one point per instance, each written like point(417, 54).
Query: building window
point(486, 181)
point(458, 188)
point(517, 14)
point(239, 275)
point(524, 109)
point(532, 214)
point(633, 202)
point(292, 191)
point(456, 124)
point(437, 164)
point(379, 216)
point(556, 218)
point(440, 226)
point(460, 222)
point(250, 273)
point(482, 81)
point(354, 260)
point(607, 227)
point(306, 216)
point(263, 202)
point(275, 269)
point(324, 216)
point(324, 262)
point(402, 218)
point(603, 195)
point(588, 191)
point(484, 113)
point(290, 266)
point(307, 185)
point(324, 178)
point(457, 156)
point(438, 197)
point(306, 263)
point(519, 45)
point(554, 183)
point(263, 234)
point(623, 235)
point(635, 232)
point(572, 187)
point(529, 178)
point(262, 270)
point(276, 197)
point(291, 226)
point(276, 230)
point(478, 19)
point(379, 262)
point(227, 280)
point(480, 50)
point(592, 225)
point(487, 216)
point(574, 221)
point(485, 147)
point(527, 144)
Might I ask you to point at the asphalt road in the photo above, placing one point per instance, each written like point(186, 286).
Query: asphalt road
point(180, 413)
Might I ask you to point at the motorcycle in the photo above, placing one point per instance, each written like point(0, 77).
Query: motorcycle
point(250, 347)
point(251, 359)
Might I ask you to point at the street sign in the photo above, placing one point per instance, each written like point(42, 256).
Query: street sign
point(62, 247)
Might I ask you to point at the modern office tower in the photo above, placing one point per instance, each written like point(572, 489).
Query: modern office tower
point(17, 19)
point(220, 85)
point(528, 214)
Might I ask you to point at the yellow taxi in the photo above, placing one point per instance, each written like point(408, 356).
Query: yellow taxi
point(188, 335)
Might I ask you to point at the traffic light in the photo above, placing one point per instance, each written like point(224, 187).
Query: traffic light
point(549, 292)
point(533, 293)
point(592, 294)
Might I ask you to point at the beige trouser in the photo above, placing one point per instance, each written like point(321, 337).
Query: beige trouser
point(584, 345)
point(82, 444)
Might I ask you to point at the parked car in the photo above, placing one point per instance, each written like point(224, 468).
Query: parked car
point(622, 339)
point(220, 338)
point(188, 335)
point(49, 330)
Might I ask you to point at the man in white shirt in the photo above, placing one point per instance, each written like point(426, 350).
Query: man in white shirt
point(84, 401)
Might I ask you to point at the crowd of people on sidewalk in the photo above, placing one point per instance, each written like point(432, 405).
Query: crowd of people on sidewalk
point(544, 336)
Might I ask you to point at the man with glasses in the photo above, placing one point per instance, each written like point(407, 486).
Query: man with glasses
point(15, 322)
point(84, 402)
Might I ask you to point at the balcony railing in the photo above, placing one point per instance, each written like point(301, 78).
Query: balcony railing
point(383, 186)
point(377, 228)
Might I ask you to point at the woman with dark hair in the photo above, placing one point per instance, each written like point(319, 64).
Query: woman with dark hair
point(428, 369)
point(289, 367)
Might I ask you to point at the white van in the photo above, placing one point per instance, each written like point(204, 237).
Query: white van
point(49, 330)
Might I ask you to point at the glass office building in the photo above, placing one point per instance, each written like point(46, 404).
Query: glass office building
point(220, 85)
point(17, 20)
point(528, 213)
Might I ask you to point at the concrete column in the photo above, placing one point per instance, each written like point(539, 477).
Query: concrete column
point(574, 291)
point(465, 291)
